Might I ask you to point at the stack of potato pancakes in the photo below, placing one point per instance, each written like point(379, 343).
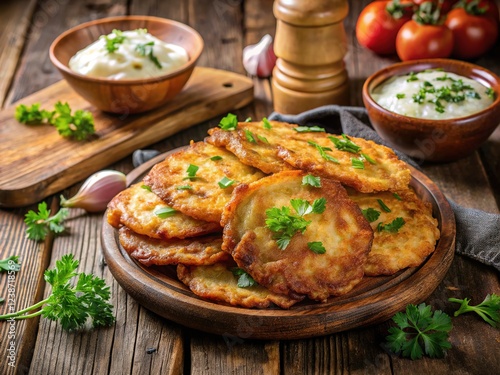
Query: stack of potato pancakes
point(266, 214)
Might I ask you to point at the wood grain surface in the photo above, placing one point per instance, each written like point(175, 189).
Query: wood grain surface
point(37, 162)
point(144, 342)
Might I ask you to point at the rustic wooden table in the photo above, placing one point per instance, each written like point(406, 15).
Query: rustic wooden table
point(42, 347)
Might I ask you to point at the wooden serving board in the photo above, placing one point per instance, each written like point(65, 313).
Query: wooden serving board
point(37, 161)
point(373, 300)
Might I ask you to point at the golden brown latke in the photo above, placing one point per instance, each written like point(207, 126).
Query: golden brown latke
point(203, 250)
point(137, 208)
point(254, 144)
point(411, 244)
point(297, 271)
point(217, 282)
point(200, 195)
point(282, 147)
point(381, 168)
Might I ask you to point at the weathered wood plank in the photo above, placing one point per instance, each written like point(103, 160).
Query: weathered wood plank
point(15, 16)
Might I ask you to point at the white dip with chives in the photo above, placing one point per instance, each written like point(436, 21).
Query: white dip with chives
point(433, 94)
point(129, 54)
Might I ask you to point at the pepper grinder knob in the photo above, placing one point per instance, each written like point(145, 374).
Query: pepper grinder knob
point(310, 46)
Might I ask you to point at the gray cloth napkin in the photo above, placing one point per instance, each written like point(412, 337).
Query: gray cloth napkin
point(478, 232)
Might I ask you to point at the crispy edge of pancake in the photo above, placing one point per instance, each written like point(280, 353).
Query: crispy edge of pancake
point(256, 153)
point(412, 244)
point(120, 212)
point(389, 172)
point(150, 251)
point(253, 248)
point(206, 200)
point(217, 283)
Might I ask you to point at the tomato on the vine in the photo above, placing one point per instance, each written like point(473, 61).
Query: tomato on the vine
point(474, 32)
point(379, 23)
point(446, 6)
point(482, 7)
point(425, 36)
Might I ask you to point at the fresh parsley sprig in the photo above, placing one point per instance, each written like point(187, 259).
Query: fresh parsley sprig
point(10, 264)
point(71, 304)
point(420, 331)
point(79, 125)
point(244, 279)
point(41, 223)
point(114, 40)
point(489, 309)
point(285, 225)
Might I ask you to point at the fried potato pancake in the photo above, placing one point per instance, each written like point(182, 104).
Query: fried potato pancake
point(373, 168)
point(137, 208)
point(283, 146)
point(203, 250)
point(198, 180)
point(411, 244)
point(217, 283)
point(297, 270)
point(254, 144)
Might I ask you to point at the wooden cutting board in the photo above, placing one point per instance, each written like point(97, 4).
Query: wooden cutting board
point(37, 161)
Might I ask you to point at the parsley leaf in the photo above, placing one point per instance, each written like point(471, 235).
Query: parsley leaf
point(41, 223)
point(393, 226)
point(113, 40)
point(147, 49)
point(489, 309)
point(419, 331)
point(316, 247)
point(244, 279)
point(32, 115)
point(370, 214)
point(71, 305)
point(311, 180)
point(10, 264)
point(229, 122)
point(165, 212)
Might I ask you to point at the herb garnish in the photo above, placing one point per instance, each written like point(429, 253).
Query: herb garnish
point(40, 223)
point(79, 125)
point(244, 279)
point(10, 264)
point(191, 172)
point(322, 152)
point(113, 43)
point(490, 93)
point(316, 247)
point(71, 305)
point(225, 182)
point(370, 214)
point(249, 136)
point(147, 49)
point(345, 144)
point(267, 124)
point(400, 96)
point(284, 224)
point(146, 187)
point(419, 331)
point(357, 163)
point(412, 77)
point(392, 227)
point(383, 205)
point(311, 180)
point(229, 122)
point(489, 309)
point(309, 129)
point(165, 212)
point(216, 157)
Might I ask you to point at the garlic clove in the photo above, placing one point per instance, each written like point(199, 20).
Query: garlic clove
point(97, 191)
point(259, 59)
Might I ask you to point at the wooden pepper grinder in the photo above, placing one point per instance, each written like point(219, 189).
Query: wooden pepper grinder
point(310, 45)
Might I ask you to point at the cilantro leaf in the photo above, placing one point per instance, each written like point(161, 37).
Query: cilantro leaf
point(229, 122)
point(316, 247)
point(71, 305)
point(10, 264)
point(311, 180)
point(393, 226)
point(419, 331)
point(40, 223)
point(489, 309)
point(144, 49)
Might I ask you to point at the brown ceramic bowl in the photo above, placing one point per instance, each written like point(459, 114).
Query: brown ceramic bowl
point(131, 95)
point(434, 140)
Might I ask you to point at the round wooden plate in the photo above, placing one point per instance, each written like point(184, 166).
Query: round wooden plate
point(373, 300)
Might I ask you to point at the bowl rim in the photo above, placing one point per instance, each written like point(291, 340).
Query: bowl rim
point(188, 65)
point(431, 63)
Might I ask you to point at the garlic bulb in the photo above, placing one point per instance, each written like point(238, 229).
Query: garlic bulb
point(259, 59)
point(97, 191)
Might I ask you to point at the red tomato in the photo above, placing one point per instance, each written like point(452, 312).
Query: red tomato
point(473, 35)
point(490, 8)
point(376, 28)
point(418, 41)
